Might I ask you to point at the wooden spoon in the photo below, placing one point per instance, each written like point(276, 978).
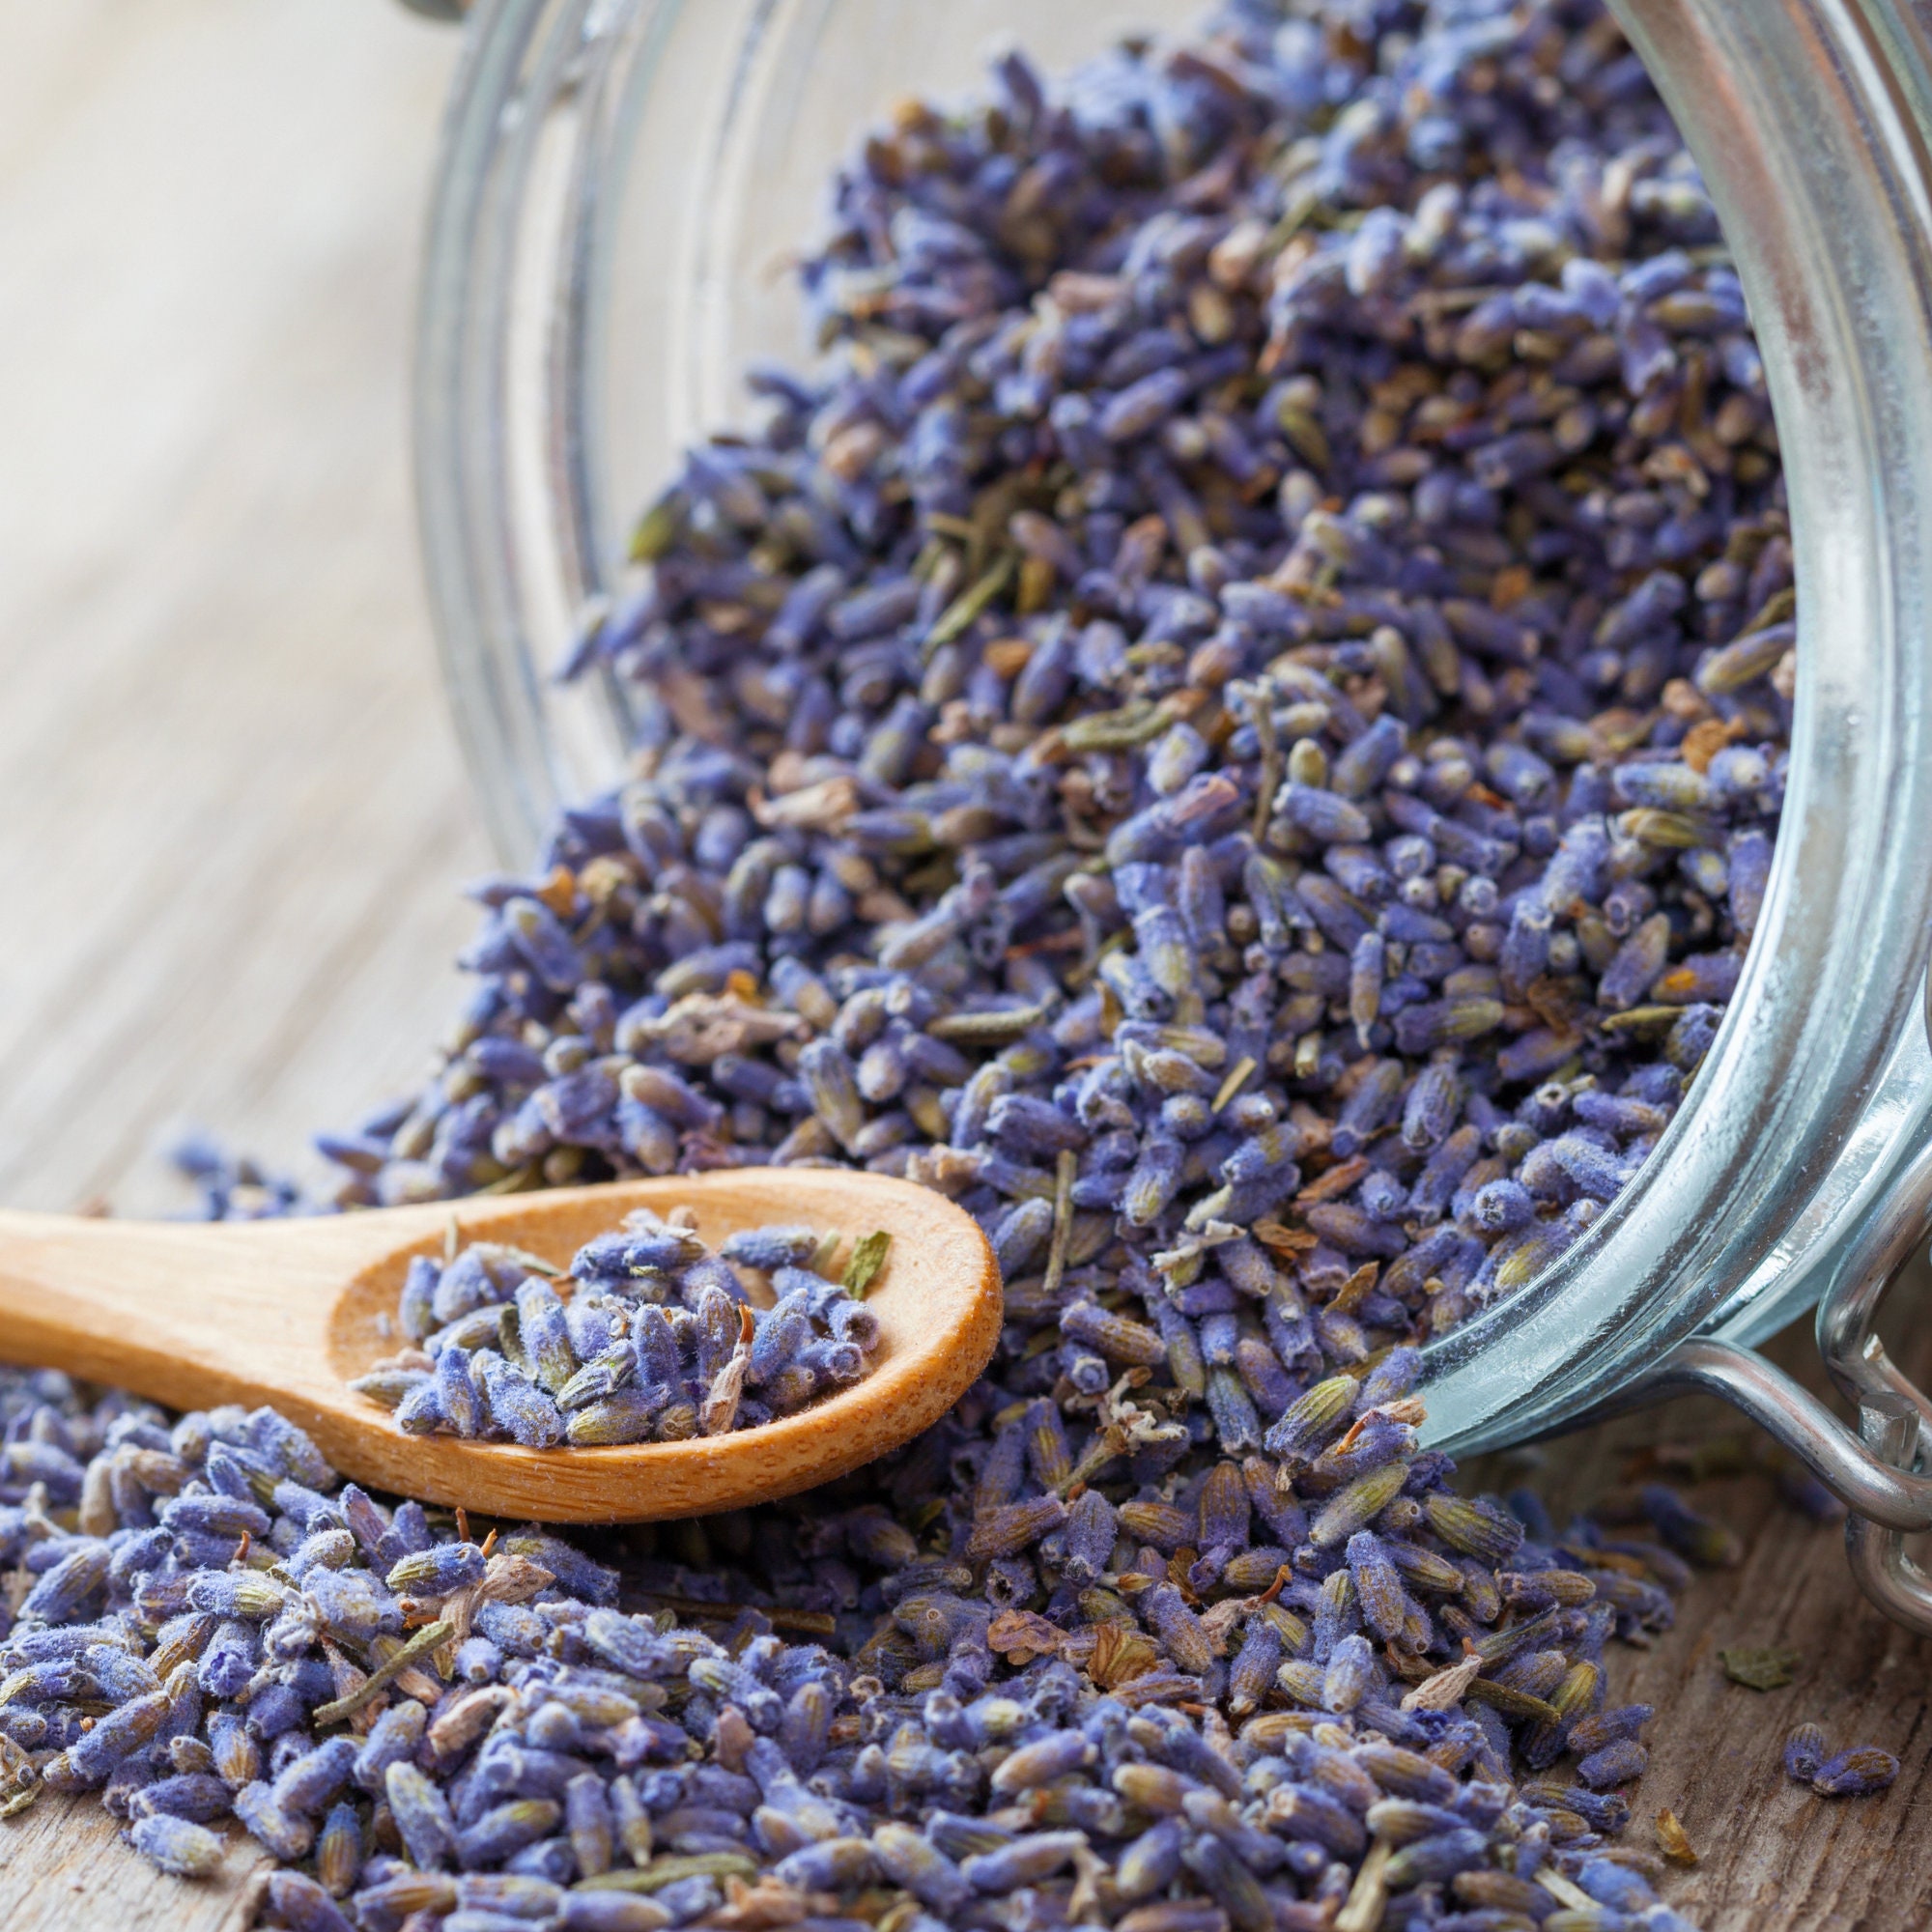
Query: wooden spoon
point(286, 1312)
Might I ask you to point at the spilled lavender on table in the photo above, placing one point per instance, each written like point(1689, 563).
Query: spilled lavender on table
point(1280, 1687)
point(1855, 1772)
point(1233, 724)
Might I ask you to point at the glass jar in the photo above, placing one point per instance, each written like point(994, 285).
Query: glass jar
point(621, 185)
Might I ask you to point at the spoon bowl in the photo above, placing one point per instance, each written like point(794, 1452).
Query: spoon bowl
point(195, 1313)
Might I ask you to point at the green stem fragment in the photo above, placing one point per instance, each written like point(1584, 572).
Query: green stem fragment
point(534, 1262)
point(1261, 709)
point(431, 1636)
point(807, 1623)
point(990, 1028)
point(1238, 1078)
point(660, 1872)
point(952, 621)
point(1065, 1171)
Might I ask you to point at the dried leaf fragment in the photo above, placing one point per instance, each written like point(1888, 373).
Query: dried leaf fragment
point(1284, 1239)
point(1120, 1654)
point(1021, 1635)
point(868, 1260)
point(1766, 1668)
point(1445, 1687)
point(1673, 1841)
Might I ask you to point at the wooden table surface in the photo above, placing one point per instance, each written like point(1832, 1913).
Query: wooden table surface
point(231, 821)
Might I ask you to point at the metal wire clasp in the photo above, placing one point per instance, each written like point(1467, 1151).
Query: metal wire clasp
point(1877, 1473)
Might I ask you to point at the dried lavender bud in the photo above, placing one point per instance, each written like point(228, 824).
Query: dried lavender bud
point(612, 1912)
point(338, 1851)
point(1614, 1764)
point(1384, 1603)
point(284, 1838)
point(1351, 1675)
point(505, 1830)
point(1473, 1527)
point(1435, 1859)
point(1857, 1772)
point(537, 1336)
point(307, 1785)
point(921, 1869)
point(437, 1572)
point(175, 1845)
point(303, 1905)
point(196, 1796)
point(421, 1815)
point(1804, 1752)
point(1687, 1532)
point(1359, 1503)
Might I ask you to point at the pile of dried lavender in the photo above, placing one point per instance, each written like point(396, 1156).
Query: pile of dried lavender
point(1255, 668)
point(647, 1336)
point(1234, 726)
point(1196, 1732)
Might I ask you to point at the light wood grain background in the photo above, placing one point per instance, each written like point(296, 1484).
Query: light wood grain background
point(231, 816)
point(231, 821)
point(230, 808)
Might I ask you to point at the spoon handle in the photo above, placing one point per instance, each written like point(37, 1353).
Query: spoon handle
point(188, 1312)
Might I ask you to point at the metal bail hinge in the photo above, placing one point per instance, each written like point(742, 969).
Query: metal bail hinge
point(1886, 1574)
